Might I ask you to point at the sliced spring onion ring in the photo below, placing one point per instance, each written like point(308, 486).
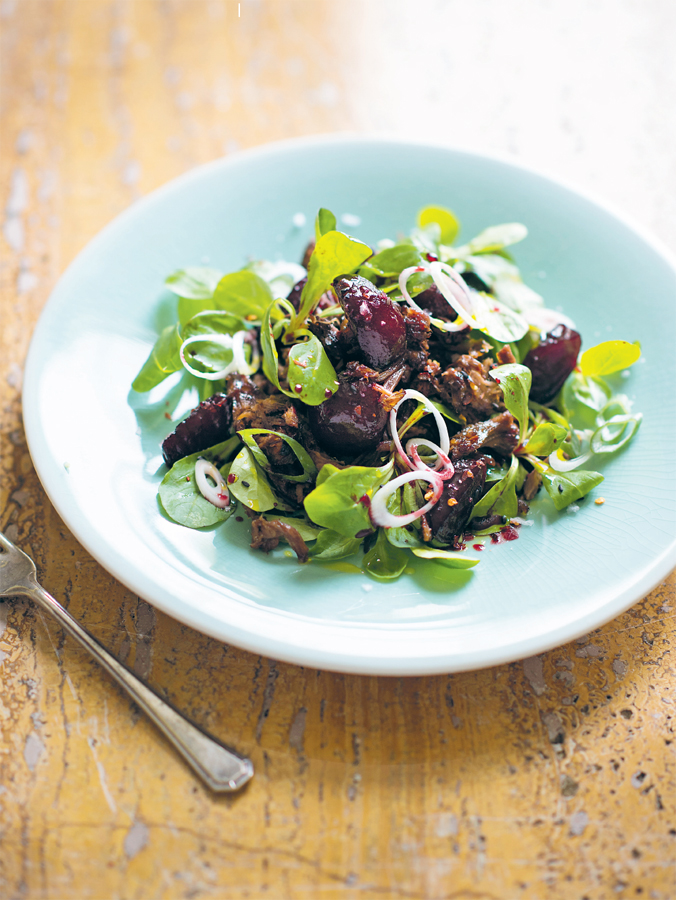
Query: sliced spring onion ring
point(380, 515)
point(455, 291)
point(567, 465)
point(444, 440)
point(233, 342)
point(448, 469)
point(216, 493)
point(458, 325)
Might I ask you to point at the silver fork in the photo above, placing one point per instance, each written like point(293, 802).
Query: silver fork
point(219, 767)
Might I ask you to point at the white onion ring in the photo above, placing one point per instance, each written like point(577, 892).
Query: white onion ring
point(567, 465)
point(444, 440)
point(448, 469)
point(454, 290)
point(380, 515)
point(218, 494)
point(459, 325)
point(233, 342)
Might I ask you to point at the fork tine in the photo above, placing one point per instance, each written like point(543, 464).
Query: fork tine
point(6, 543)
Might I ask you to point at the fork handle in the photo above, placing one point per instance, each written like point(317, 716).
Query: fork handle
point(219, 767)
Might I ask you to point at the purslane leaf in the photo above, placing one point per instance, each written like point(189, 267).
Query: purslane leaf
point(449, 226)
point(515, 381)
point(456, 560)
point(545, 439)
point(566, 487)
point(501, 500)
point(180, 496)
point(303, 457)
point(243, 293)
point(165, 358)
point(194, 282)
point(335, 254)
point(250, 485)
point(384, 561)
point(311, 375)
point(609, 357)
point(325, 221)
point(342, 497)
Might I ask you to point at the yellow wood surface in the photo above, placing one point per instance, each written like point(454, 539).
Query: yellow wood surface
point(549, 778)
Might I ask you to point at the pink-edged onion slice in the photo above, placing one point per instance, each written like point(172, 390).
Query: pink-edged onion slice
point(216, 493)
point(458, 325)
point(454, 290)
point(448, 469)
point(444, 440)
point(380, 515)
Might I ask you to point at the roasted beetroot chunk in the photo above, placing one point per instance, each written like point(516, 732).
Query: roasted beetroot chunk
point(450, 515)
point(208, 424)
point(377, 321)
point(351, 421)
point(434, 302)
point(552, 361)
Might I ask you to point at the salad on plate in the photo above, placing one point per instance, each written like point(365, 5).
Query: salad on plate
point(407, 399)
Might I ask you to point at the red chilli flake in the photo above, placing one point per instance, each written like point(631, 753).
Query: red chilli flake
point(298, 388)
point(478, 546)
point(328, 393)
point(430, 257)
point(232, 479)
point(301, 363)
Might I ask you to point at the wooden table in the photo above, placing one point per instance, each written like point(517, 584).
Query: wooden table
point(548, 778)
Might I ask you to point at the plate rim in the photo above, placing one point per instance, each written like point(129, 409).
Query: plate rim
point(657, 571)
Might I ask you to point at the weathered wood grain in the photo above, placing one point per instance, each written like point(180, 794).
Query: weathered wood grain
point(550, 778)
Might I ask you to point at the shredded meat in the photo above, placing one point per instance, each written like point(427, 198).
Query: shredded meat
point(501, 433)
point(467, 388)
point(531, 485)
point(266, 535)
point(505, 355)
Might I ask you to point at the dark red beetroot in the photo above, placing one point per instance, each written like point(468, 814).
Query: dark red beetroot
point(463, 490)
point(377, 321)
point(208, 424)
point(552, 361)
point(351, 421)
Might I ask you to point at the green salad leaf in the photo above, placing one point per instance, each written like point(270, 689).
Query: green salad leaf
point(194, 282)
point(325, 221)
point(609, 357)
point(303, 457)
point(311, 375)
point(391, 261)
point(452, 558)
point(515, 381)
point(449, 226)
point(250, 485)
point(342, 497)
point(384, 561)
point(180, 496)
point(566, 487)
point(501, 500)
point(546, 438)
point(335, 254)
point(332, 545)
point(165, 358)
point(243, 293)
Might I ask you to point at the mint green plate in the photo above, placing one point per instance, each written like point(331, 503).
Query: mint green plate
point(95, 445)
